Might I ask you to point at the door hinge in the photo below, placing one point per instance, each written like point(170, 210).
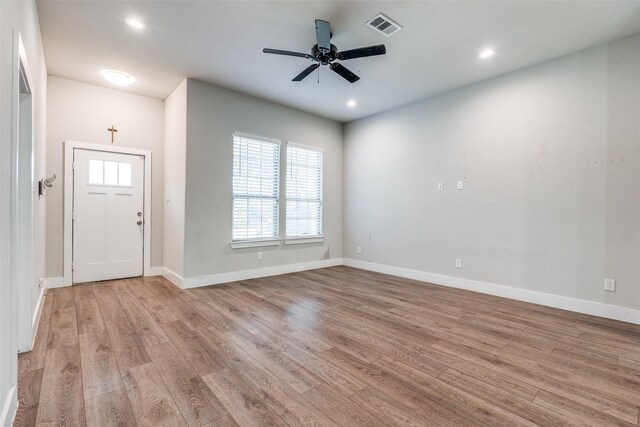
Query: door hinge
point(73, 165)
point(73, 215)
point(73, 266)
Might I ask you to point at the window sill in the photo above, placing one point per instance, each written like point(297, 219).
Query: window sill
point(240, 244)
point(303, 240)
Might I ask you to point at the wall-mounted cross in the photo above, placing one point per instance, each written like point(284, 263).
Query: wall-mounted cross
point(113, 130)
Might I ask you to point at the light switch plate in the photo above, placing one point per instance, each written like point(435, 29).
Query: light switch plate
point(440, 186)
point(460, 185)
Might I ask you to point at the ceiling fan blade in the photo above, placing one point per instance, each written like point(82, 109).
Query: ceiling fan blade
point(323, 35)
point(362, 52)
point(287, 53)
point(305, 73)
point(344, 72)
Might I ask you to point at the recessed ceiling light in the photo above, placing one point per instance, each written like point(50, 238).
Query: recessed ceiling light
point(117, 77)
point(351, 103)
point(134, 23)
point(487, 53)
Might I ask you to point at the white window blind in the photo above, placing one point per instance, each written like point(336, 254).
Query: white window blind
point(304, 191)
point(256, 182)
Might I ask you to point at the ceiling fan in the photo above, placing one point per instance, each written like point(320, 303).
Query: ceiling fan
point(324, 53)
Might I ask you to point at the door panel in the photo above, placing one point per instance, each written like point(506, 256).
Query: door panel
point(108, 201)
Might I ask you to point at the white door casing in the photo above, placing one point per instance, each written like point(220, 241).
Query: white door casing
point(108, 215)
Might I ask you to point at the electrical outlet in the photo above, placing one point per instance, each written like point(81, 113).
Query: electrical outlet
point(458, 263)
point(440, 186)
point(41, 282)
point(259, 255)
point(460, 185)
point(359, 250)
point(610, 285)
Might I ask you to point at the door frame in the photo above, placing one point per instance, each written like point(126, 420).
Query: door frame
point(69, 146)
point(23, 190)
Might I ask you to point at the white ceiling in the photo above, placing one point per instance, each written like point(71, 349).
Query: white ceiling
point(221, 42)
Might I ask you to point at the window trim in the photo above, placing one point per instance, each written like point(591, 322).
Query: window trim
point(301, 240)
point(240, 244)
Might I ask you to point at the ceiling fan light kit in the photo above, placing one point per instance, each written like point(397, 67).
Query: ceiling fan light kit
point(325, 53)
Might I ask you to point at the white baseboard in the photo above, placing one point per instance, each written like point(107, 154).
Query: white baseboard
point(56, 282)
point(234, 276)
point(567, 303)
point(172, 277)
point(615, 312)
point(154, 271)
point(9, 407)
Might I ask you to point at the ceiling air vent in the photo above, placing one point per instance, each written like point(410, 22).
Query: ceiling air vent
point(383, 25)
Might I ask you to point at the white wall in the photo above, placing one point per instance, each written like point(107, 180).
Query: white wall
point(21, 17)
point(175, 149)
point(83, 112)
point(213, 114)
point(550, 158)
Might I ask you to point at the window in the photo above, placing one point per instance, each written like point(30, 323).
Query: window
point(256, 181)
point(108, 172)
point(304, 191)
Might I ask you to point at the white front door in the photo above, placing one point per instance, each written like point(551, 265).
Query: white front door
point(108, 216)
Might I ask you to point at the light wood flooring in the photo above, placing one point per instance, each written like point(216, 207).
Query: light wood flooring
point(336, 346)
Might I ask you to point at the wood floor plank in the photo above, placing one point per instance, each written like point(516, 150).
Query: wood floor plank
point(199, 352)
point(340, 409)
point(126, 344)
point(151, 403)
point(63, 328)
point(197, 404)
point(292, 407)
point(525, 409)
point(152, 303)
point(61, 396)
point(238, 360)
point(578, 411)
point(28, 397)
point(244, 405)
point(89, 317)
point(100, 374)
point(333, 346)
point(388, 409)
point(110, 409)
point(429, 405)
point(142, 321)
point(560, 382)
point(278, 363)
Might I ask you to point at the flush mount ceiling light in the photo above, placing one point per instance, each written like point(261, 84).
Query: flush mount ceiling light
point(135, 23)
point(351, 103)
point(486, 53)
point(117, 78)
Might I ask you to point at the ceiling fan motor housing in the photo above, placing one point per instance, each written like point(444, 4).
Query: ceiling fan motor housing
point(322, 57)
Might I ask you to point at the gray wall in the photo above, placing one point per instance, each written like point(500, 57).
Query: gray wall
point(550, 157)
point(83, 112)
point(175, 149)
point(213, 114)
point(21, 17)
